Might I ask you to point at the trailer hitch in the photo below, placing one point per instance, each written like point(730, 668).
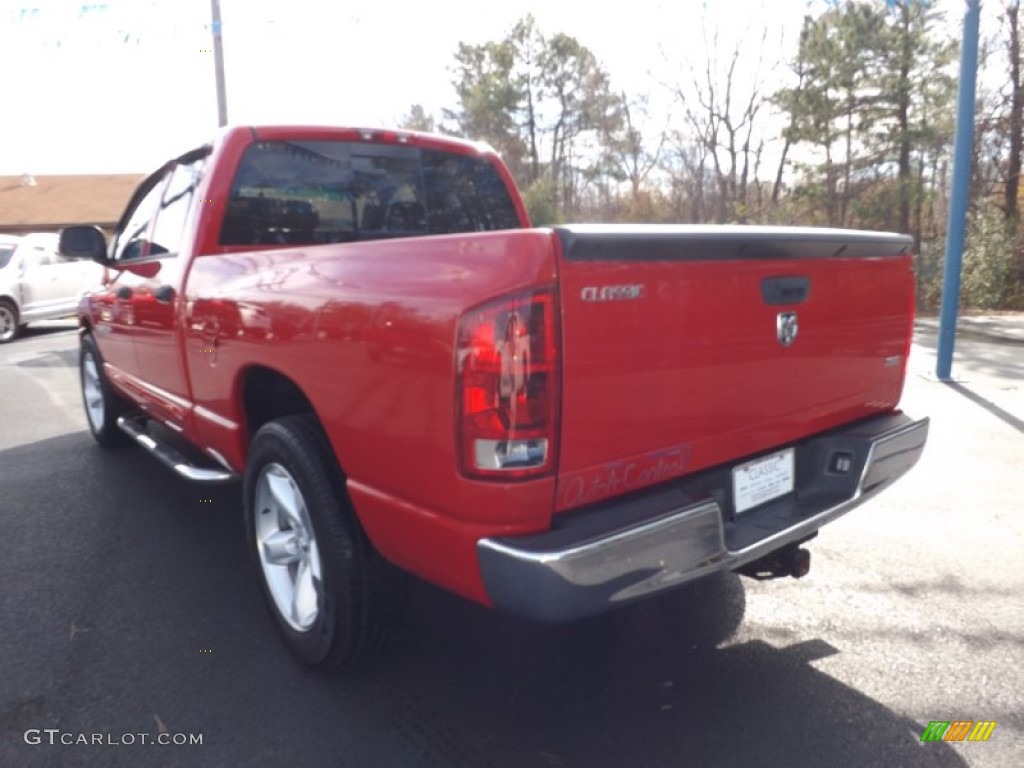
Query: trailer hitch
point(789, 561)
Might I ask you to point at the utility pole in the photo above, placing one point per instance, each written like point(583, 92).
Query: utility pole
point(218, 64)
point(963, 140)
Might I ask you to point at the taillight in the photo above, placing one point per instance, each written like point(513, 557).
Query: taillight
point(506, 368)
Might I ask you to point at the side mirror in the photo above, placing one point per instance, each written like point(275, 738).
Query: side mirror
point(83, 242)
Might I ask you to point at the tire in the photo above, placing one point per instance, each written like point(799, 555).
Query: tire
point(332, 596)
point(102, 404)
point(9, 325)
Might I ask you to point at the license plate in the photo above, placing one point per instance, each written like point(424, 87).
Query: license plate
point(761, 480)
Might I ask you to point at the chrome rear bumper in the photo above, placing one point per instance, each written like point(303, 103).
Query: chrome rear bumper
point(616, 551)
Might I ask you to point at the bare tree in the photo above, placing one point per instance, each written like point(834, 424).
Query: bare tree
point(721, 108)
point(629, 154)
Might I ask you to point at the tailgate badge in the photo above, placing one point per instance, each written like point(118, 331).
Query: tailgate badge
point(786, 328)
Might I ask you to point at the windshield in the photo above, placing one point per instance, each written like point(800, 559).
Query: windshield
point(308, 192)
point(6, 251)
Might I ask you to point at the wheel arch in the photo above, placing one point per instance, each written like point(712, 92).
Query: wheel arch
point(266, 394)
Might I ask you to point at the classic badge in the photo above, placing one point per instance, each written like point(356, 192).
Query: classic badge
point(612, 292)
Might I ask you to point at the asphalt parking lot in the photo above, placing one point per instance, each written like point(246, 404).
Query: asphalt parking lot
point(129, 607)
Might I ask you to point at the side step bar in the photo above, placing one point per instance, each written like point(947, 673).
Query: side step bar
point(135, 428)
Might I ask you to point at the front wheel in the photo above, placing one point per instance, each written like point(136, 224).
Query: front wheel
point(102, 404)
point(333, 597)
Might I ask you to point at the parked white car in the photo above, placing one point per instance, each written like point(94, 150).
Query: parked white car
point(37, 283)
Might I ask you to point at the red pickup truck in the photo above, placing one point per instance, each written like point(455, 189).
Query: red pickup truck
point(362, 326)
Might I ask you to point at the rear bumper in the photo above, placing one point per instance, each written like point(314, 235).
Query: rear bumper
point(599, 557)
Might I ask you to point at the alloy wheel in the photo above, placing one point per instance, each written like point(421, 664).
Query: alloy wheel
point(287, 548)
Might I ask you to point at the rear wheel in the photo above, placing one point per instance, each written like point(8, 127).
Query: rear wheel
point(333, 597)
point(102, 405)
point(9, 327)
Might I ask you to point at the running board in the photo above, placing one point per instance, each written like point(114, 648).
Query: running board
point(135, 428)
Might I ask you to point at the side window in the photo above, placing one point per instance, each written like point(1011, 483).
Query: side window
point(133, 241)
point(174, 208)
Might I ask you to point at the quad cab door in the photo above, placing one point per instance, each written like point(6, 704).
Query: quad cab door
point(146, 293)
point(156, 299)
point(114, 315)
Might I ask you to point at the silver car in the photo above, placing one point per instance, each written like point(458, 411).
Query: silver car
point(36, 283)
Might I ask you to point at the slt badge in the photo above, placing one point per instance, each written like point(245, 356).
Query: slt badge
point(786, 328)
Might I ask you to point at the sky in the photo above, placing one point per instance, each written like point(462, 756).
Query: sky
point(119, 86)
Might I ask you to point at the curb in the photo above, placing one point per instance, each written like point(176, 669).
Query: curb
point(968, 330)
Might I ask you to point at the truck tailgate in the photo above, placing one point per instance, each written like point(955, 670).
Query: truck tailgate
point(688, 347)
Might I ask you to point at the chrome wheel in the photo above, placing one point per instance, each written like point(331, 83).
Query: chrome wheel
point(92, 391)
point(286, 547)
point(8, 322)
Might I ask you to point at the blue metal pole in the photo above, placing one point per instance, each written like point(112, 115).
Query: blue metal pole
point(961, 183)
point(218, 64)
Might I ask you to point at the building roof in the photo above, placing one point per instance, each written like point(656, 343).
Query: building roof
point(40, 203)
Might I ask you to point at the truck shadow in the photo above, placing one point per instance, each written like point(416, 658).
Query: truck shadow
point(152, 576)
point(645, 685)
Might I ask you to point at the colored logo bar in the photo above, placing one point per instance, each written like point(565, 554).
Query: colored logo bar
point(958, 730)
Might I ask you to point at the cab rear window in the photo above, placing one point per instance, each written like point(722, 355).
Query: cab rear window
point(310, 192)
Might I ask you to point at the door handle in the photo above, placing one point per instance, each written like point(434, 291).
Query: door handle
point(124, 292)
point(164, 294)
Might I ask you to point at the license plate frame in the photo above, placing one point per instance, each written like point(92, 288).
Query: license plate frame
point(763, 479)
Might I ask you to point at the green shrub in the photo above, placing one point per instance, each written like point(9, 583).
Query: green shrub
point(988, 256)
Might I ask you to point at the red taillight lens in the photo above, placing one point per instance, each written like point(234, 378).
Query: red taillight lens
point(507, 378)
